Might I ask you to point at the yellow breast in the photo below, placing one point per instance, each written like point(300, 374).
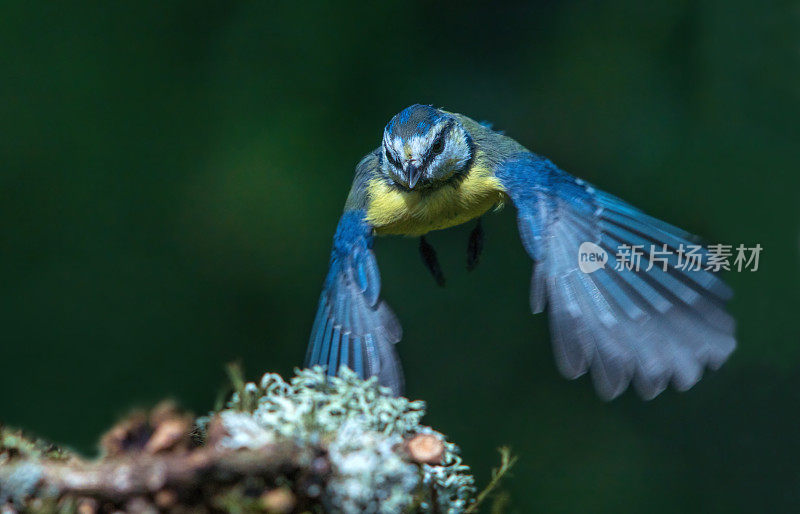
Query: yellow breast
point(414, 213)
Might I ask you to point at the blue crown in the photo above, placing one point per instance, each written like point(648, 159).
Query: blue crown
point(415, 120)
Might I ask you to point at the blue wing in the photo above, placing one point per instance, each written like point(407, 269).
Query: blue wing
point(353, 326)
point(648, 326)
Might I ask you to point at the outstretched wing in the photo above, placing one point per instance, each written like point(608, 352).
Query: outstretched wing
point(353, 326)
point(649, 326)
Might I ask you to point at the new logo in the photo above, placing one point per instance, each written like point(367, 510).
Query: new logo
point(591, 257)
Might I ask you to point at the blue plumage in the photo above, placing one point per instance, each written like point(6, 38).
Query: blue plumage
point(353, 327)
point(650, 326)
point(414, 120)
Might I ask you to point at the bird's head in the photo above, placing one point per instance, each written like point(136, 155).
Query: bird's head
point(424, 147)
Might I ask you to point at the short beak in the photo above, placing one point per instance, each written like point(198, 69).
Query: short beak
point(414, 173)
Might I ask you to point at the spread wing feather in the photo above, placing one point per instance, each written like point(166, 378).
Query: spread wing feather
point(649, 327)
point(353, 326)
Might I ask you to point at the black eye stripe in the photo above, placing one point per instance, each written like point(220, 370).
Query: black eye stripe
point(432, 150)
point(438, 144)
point(391, 158)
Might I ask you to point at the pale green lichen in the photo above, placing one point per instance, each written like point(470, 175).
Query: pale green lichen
point(18, 481)
point(370, 475)
point(363, 426)
point(20, 463)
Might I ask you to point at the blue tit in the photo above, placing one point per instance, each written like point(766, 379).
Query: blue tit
point(435, 169)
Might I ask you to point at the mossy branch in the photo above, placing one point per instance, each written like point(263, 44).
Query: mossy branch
point(313, 444)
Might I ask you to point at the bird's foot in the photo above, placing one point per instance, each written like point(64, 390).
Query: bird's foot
point(428, 254)
point(474, 246)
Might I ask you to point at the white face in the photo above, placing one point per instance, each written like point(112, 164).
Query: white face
point(424, 159)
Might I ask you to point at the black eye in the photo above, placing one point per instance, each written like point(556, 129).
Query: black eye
point(438, 146)
point(394, 162)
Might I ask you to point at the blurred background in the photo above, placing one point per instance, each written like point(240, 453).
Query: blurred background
point(171, 176)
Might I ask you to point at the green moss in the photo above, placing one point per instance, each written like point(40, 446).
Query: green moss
point(345, 442)
point(14, 444)
point(363, 426)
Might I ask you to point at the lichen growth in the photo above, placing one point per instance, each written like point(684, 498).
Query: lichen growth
point(363, 426)
point(14, 445)
point(20, 482)
point(20, 455)
point(370, 475)
point(312, 444)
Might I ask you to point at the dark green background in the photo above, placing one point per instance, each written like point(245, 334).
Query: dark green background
point(171, 176)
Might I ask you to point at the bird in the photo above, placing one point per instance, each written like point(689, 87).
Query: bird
point(647, 326)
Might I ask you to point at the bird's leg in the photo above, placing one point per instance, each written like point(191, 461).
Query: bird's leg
point(428, 255)
point(474, 246)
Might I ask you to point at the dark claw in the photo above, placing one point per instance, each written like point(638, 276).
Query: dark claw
point(428, 255)
point(475, 246)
